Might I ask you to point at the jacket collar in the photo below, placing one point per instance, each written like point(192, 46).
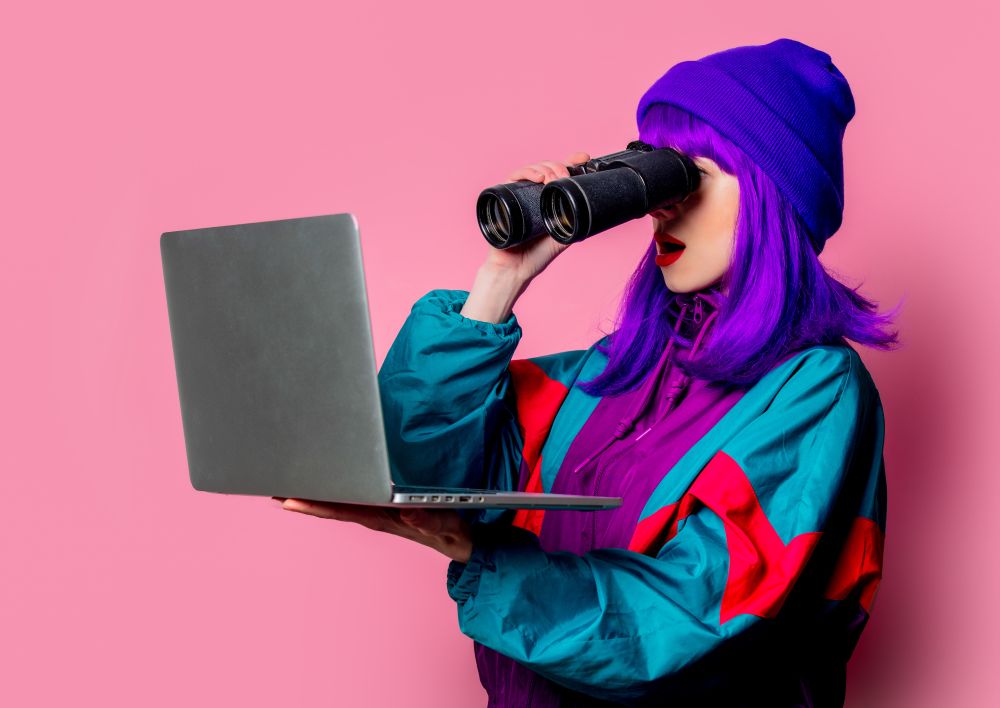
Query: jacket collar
point(710, 298)
point(701, 309)
point(697, 312)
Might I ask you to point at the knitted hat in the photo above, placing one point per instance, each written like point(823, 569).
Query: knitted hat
point(786, 106)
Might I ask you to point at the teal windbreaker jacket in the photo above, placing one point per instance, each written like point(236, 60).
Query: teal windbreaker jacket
point(743, 563)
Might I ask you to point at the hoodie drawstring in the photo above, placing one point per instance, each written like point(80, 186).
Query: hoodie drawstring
point(682, 379)
point(628, 421)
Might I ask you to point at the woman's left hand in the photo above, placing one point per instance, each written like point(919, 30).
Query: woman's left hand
point(441, 529)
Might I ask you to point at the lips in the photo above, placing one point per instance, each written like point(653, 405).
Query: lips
point(666, 243)
point(668, 249)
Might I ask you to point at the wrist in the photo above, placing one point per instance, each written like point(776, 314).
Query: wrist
point(461, 551)
point(501, 276)
point(493, 293)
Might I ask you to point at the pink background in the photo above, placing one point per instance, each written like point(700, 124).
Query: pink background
point(122, 586)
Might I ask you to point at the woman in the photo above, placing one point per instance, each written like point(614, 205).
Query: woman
point(742, 431)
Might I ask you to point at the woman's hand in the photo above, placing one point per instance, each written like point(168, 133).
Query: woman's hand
point(506, 273)
point(441, 529)
point(529, 259)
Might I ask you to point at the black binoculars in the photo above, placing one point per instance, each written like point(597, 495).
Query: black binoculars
point(600, 194)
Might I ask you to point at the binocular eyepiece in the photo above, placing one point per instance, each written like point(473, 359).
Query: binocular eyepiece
point(598, 195)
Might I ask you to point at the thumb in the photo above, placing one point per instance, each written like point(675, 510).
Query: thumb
point(417, 518)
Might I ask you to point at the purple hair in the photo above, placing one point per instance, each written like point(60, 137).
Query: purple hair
point(780, 297)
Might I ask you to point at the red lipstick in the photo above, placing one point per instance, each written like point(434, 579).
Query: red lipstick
point(668, 248)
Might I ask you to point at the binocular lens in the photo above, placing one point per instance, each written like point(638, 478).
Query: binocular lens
point(494, 218)
point(559, 215)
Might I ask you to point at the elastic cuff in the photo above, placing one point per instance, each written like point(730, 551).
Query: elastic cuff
point(450, 303)
point(463, 578)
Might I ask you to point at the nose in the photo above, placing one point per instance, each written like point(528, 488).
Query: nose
point(674, 210)
point(667, 214)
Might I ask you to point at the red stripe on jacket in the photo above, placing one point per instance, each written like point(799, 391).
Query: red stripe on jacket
point(859, 566)
point(762, 569)
point(538, 400)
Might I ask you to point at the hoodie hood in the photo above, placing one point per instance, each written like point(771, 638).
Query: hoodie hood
point(695, 313)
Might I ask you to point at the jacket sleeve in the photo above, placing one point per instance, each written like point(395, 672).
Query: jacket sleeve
point(617, 624)
point(446, 398)
point(458, 411)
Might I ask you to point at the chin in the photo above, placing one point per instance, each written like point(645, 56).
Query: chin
point(673, 283)
point(678, 284)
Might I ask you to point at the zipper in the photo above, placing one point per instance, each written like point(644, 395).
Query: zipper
point(625, 447)
point(698, 316)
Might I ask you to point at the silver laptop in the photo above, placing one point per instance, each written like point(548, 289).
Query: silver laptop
point(276, 369)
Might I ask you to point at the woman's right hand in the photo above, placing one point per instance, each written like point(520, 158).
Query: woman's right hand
point(528, 259)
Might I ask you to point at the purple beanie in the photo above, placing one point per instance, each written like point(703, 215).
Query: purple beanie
point(786, 106)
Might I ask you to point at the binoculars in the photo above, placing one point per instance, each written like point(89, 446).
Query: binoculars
point(598, 195)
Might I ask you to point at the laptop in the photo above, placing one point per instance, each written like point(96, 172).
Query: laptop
point(276, 370)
